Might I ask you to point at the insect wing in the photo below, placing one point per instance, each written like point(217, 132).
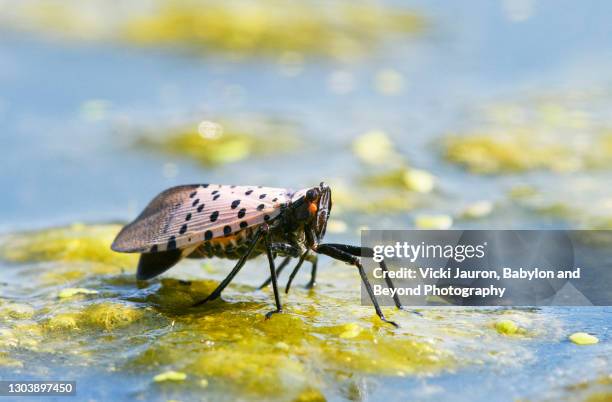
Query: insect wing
point(183, 216)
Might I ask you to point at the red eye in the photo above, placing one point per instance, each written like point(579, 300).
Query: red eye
point(312, 208)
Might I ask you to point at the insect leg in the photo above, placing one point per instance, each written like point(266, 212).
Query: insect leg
point(312, 258)
point(295, 271)
point(313, 272)
point(369, 253)
point(279, 307)
point(280, 268)
point(342, 255)
point(284, 249)
point(217, 292)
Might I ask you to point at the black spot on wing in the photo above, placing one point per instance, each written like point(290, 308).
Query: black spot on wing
point(171, 243)
point(195, 202)
point(208, 235)
point(193, 194)
point(214, 216)
point(243, 224)
point(260, 207)
point(241, 213)
point(227, 230)
point(235, 204)
point(200, 207)
point(249, 192)
point(183, 229)
point(262, 196)
point(216, 197)
point(188, 217)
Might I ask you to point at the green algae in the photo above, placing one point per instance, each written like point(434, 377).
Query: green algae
point(429, 221)
point(236, 345)
point(552, 133)
point(170, 376)
point(415, 180)
point(598, 389)
point(586, 207)
point(104, 316)
point(376, 148)
point(322, 343)
point(373, 198)
point(582, 338)
point(62, 322)
point(390, 185)
point(509, 327)
point(504, 153)
point(109, 316)
point(343, 30)
point(477, 210)
point(7, 361)
point(76, 242)
point(265, 27)
point(71, 292)
point(221, 146)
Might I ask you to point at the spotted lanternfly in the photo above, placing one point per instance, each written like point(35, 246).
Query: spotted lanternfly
point(238, 222)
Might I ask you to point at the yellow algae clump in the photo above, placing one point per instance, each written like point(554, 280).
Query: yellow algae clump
point(62, 321)
point(502, 152)
point(16, 311)
point(260, 373)
point(8, 338)
point(351, 330)
point(170, 376)
point(599, 397)
point(105, 316)
point(582, 338)
point(555, 132)
point(506, 327)
point(213, 147)
point(109, 315)
point(385, 355)
point(72, 243)
point(238, 28)
point(479, 209)
point(595, 390)
point(441, 222)
point(310, 395)
point(71, 292)
point(266, 27)
point(417, 180)
point(376, 200)
point(522, 191)
point(376, 148)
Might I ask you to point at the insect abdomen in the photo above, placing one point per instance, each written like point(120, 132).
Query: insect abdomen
point(231, 247)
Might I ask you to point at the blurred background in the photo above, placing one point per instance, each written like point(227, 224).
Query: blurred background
point(488, 114)
point(419, 114)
